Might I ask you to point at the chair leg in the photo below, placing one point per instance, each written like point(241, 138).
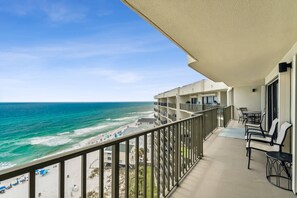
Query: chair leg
point(249, 160)
point(247, 152)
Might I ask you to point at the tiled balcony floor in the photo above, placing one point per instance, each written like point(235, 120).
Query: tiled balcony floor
point(223, 173)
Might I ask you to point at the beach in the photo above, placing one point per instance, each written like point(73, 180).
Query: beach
point(47, 184)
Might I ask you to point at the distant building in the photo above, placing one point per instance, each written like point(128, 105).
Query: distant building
point(108, 155)
point(146, 121)
point(182, 102)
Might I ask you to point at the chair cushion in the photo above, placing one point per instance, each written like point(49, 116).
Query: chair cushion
point(262, 146)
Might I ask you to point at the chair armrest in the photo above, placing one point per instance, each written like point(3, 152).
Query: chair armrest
point(252, 125)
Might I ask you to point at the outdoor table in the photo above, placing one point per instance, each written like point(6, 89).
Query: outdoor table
point(278, 169)
point(252, 114)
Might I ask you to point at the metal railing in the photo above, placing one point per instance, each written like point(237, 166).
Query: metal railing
point(164, 104)
point(173, 149)
point(172, 117)
point(172, 105)
point(227, 114)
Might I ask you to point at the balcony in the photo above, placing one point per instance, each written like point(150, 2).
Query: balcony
point(163, 104)
point(223, 173)
point(172, 117)
point(191, 107)
point(172, 105)
point(159, 159)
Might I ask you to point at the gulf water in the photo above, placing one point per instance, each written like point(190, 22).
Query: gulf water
point(30, 131)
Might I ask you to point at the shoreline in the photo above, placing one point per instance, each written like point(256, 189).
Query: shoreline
point(72, 176)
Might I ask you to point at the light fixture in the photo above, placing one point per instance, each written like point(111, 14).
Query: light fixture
point(282, 67)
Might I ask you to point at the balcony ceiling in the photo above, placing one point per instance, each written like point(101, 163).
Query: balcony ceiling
point(237, 42)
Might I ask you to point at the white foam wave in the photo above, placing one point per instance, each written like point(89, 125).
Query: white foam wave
point(5, 165)
point(49, 140)
point(8, 154)
point(141, 112)
point(64, 133)
point(125, 118)
point(89, 129)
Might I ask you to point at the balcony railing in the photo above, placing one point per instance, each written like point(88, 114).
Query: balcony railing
point(163, 113)
point(163, 104)
point(162, 157)
point(172, 105)
point(191, 107)
point(227, 114)
point(172, 117)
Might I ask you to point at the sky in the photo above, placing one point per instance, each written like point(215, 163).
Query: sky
point(84, 51)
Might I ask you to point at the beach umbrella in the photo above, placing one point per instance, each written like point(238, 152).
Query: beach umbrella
point(2, 187)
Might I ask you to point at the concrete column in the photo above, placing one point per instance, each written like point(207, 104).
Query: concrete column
point(263, 105)
point(284, 104)
point(219, 97)
point(178, 113)
point(294, 121)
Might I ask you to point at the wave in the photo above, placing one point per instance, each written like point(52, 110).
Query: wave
point(125, 118)
point(89, 129)
point(64, 133)
point(8, 154)
point(50, 141)
point(141, 112)
point(5, 165)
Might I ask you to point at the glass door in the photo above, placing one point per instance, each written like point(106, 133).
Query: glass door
point(272, 102)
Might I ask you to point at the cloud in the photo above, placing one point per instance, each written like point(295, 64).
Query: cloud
point(63, 11)
point(117, 76)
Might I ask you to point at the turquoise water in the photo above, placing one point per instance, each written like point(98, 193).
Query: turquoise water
point(30, 131)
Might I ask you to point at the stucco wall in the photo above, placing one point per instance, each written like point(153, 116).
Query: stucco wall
point(245, 97)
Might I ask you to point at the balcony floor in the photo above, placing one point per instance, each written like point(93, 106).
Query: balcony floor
point(223, 172)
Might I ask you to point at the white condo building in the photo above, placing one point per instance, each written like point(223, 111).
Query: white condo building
point(182, 102)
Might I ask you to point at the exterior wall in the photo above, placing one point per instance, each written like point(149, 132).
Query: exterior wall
point(183, 95)
point(287, 105)
point(223, 98)
point(244, 97)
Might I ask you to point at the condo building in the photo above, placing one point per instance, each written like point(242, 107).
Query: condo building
point(182, 102)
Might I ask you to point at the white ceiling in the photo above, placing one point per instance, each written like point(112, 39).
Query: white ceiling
point(235, 41)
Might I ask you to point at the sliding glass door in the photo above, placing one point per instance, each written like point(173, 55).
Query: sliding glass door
point(272, 102)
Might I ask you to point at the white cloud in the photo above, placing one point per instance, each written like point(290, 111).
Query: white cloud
point(117, 76)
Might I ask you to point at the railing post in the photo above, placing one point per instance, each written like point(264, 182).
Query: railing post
point(32, 186)
point(101, 173)
point(115, 170)
point(84, 175)
point(136, 166)
point(62, 179)
point(152, 164)
point(127, 164)
point(201, 128)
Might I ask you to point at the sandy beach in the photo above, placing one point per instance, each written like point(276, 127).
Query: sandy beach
point(47, 184)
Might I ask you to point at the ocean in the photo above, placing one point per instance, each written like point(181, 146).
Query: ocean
point(30, 131)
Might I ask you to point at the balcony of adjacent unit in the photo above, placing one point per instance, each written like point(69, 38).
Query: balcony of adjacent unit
point(191, 107)
point(172, 105)
point(163, 113)
point(163, 104)
point(172, 117)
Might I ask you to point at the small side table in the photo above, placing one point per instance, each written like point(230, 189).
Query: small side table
point(278, 169)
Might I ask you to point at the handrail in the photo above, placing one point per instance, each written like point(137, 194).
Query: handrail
point(175, 148)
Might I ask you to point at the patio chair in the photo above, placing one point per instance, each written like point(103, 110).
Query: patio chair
point(241, 117)
point(266, 146)
point(256, 134)
point(249, 126)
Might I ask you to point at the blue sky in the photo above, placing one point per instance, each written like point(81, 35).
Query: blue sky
point(84, 50)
